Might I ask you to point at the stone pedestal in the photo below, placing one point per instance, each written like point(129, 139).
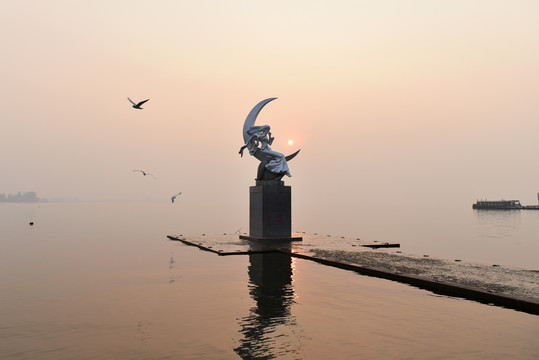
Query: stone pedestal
point(270, 211)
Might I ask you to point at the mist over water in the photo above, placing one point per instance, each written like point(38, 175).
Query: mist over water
point(405, 113)
point(392, 104)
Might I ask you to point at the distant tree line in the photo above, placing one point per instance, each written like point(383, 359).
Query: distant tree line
point(29, 196)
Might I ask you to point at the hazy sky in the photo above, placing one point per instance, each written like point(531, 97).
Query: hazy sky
point(392, 102)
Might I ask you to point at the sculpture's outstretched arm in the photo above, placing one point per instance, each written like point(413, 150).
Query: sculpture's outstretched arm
point(241, 150)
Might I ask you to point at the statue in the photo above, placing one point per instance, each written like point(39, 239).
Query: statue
point(273, 165)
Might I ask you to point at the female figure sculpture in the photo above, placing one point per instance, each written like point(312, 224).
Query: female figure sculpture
point(258, 144)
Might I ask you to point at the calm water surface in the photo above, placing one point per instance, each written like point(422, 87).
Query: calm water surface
point(508, 238)
point(101, 281)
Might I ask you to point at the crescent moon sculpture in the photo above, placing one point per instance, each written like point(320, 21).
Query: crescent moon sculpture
point(251, 118)
point(273, 165)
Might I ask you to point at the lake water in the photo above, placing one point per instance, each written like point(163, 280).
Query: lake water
point(508, 238)
point(101, 281)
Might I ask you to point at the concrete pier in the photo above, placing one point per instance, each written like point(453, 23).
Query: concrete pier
point(496, 285)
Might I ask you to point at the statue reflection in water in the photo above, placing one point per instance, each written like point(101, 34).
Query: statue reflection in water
point(267, 328)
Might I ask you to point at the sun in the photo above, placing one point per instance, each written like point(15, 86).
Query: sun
point(290, 142)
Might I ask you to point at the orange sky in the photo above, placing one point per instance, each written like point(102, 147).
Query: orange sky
point(390, 101)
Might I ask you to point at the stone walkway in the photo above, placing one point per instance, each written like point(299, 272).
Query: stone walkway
point(484, 283)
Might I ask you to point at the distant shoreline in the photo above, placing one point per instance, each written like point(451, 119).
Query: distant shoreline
point(23, 201)
point(20, 197)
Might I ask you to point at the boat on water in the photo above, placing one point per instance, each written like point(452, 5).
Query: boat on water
point(503, 205)
point(498, 205)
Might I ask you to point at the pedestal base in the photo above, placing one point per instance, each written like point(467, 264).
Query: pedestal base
point(270, 214)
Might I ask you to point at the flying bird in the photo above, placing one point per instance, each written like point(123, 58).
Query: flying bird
point(137, 106)
point(146, 173)
point(174, 197)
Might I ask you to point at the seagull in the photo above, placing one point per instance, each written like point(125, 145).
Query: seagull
point(146, 173)
point(137, 106)
point(174, 197)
